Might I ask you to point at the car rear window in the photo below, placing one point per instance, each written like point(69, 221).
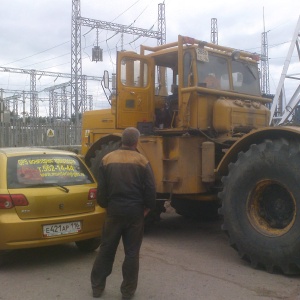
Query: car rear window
point(35, 170)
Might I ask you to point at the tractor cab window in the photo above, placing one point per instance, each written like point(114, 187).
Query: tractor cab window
point(134, 72)
point(187, 68)
point(245, 78)
point(212, 72)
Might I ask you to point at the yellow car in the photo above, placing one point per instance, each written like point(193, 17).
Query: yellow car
point(47, 197)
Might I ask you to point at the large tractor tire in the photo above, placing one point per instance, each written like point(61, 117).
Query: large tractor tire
point(261, 205)
point(99, 154)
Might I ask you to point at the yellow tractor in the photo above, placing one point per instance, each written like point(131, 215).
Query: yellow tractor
point(209, 143)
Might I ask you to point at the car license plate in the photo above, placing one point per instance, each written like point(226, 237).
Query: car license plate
point(62, 228)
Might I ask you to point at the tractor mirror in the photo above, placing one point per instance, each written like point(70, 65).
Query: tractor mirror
point(106, 79)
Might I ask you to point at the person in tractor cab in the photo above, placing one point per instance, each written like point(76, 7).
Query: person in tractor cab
point(165, 115)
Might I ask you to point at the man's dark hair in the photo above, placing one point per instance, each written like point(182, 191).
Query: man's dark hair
point(130, 136)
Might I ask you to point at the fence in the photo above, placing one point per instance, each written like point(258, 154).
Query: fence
point(60, 135)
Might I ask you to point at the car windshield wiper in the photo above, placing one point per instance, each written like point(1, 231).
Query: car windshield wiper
point(48, 184)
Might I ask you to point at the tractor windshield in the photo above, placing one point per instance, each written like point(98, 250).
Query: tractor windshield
point(245, 78)
point(214, 72)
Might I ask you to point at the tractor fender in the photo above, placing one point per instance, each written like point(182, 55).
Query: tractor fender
point(113, 137)
point(97, 145)
point(255, 137)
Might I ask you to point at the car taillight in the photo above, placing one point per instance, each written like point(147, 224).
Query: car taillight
point(92, 194)
point(9, 201)
point(19, 200)
point(5, 202)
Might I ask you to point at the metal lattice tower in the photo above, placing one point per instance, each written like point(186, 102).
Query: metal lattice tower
point(280, 92)
point(264, 79)
point(162, 24)
point(90, 97)
point(214, 31)
point(84, 94)
point(55, 106)
point(53, 100)
point(76, 62)
point(51, 104)
point(161, 71)
point(15, 100)
point(64, 104)
point(33, 93)
point(18, 94)
point(78, 93)
point(16, 105)
point(34, 108)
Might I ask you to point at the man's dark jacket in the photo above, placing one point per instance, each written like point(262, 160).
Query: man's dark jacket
point(126, 183)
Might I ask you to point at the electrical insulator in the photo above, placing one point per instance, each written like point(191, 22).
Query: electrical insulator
point(97, 54)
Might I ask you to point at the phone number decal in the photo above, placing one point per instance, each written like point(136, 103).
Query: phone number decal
point(40, 161)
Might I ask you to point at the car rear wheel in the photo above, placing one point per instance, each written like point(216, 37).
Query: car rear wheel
point(88, 245)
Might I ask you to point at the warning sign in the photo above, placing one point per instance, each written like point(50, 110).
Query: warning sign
point(50, 133)
point(87, 133)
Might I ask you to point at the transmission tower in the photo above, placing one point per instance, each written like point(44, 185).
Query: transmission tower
point(162, 24)
point(53, 105)
point(264, 78)
point(77, 94)
point(265, 82)
point(161, 71)
point(34, 107)
point(76, 62)
point(33, 93)
point(64, 104)
point(280, 92)
point(214, 31)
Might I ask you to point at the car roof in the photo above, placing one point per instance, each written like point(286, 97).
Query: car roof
point(13, 151)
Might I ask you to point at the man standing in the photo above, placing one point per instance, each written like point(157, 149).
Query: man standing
point(126, 188)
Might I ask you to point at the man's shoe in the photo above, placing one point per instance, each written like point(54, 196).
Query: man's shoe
point(97, 293)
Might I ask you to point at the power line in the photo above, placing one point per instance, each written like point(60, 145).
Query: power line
point(56, 46)
point(36, 53)
point(45, 60)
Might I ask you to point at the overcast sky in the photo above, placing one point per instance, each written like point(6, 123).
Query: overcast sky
point(37, 34)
